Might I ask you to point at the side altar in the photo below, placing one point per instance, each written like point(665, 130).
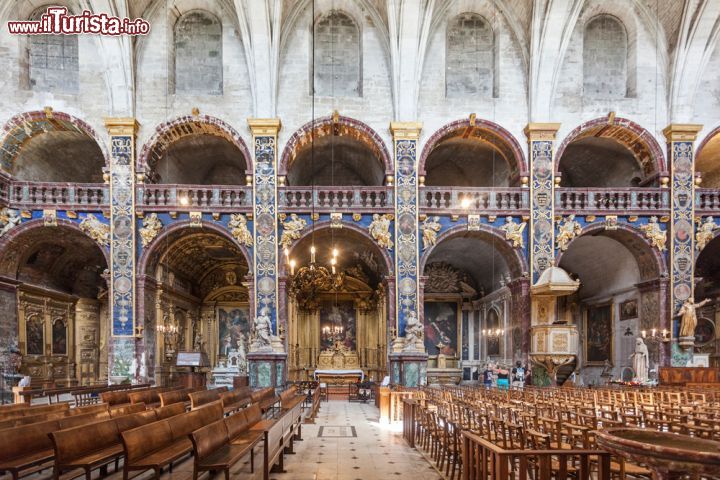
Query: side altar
point(338, 364)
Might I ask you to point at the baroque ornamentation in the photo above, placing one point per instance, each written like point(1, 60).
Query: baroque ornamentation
point(704, 233)
point(430, 228)
point(514, 232)
point(239, 229)
point(567, 231)
point(9, 219)
point(380, 231)
point(654, 233)
point(444, 278)
point(151, 228)
point(541, 212)
point(292, 230)
point(196, 219)
point(473, 223)
point(50, 218)
point(336, 220)
point(98, 231)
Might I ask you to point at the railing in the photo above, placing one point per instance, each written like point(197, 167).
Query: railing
point(473, 199)
point(194, 197)
point(606, 200)
point(5, 187)
point(336, 199)
point(54, 195)
point(707, 199)
point(481, 460)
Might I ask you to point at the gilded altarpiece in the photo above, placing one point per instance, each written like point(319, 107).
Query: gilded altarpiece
point(46, 336)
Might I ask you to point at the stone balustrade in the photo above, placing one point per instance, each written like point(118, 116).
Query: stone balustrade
point(707, 200)
point(162, 197)
point(637, 201)
point(459, 200)
point(337, 199)
point(71, 196)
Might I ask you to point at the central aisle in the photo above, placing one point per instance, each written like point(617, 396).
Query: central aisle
point(348, 443)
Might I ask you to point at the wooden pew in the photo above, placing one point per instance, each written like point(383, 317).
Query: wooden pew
point(27, 449)
point(127, 409)
point(156, 445)
point(28, 410)
point(213, 450)
point(314, 406)
point(170, 410)
point(203, 397)
point(236, 399)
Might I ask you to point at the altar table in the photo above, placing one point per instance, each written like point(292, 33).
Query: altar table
point(339, 376)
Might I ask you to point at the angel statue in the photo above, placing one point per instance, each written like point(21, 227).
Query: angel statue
point(640, 361)
point(150, 229)
point(380, 231)
point(705, 232)
point(8, 220)
point(291, 230)
point(513, 232)
point(568, 230)
point(688, 312)
point(430, 228)
point(238, 228)
point(656, 235)
point(413, 331)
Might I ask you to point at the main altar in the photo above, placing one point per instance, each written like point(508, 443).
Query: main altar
point(338, 364)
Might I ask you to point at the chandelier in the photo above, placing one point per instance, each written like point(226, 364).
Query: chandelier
point(311, 279)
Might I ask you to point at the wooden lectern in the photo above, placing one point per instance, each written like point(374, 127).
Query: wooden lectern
point(194, 360)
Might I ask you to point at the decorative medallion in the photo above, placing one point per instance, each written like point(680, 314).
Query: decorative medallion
point(97, 230)
point(567, 231)
point(292, 229)
point(514, 232)
point(336, 220)
point(611, 222)
point(473, 223)
point(239, 230)
point(50, 218)
point(196, 219)
point(151, 228)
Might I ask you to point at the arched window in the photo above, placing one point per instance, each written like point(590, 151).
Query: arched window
point(470, 62)
point(198, 54)
point(337, 56)
point(605, 58)
point(52, 61)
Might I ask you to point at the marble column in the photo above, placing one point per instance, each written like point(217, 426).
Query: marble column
point(409, 367)
point(122, 246)
point(680, 140)
point(267, 368)
point(541, 137)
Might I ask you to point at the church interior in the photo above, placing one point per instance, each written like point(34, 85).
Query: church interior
point(344, 239)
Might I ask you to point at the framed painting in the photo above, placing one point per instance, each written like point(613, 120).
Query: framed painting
point(704, 332)
point(493, 342)
point(35, 336)
point(629, 309)
point(59, 338)
point(441, 327)
point(338, 323)
point(598, 338)
point(234, 327)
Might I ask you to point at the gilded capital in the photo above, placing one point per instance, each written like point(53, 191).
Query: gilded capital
point(121, 126)
point(264, 127)
point(541, 131)
point(405, 130)
point(681, 132)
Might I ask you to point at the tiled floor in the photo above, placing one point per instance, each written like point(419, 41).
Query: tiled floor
point(375, 452)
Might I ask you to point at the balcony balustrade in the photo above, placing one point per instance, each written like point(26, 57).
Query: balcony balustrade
point(612, 200)
point(71, 196)
point(164, 197)
point(707, 200)
point(335, 199)
point(459, 200)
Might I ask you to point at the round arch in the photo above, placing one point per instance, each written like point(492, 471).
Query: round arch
point(21, 128)
point(15, 242)
point(173, 232)
point(181, 127)
point(484, 131)
point(513, 257)
point(707, 167)
point(636, 139)
point(650, 261)
point(340, 126)
point(357, 231)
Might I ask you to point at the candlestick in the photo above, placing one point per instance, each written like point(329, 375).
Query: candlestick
point(312, 254)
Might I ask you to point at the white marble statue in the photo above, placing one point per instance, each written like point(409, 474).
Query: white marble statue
point(9, 219)
point(143, 367)
point(133, 369)
point(640, 361)
point(413, 331)
point(263, 332)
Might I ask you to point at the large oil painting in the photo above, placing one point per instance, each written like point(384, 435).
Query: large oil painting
point(598, 335)
point(35, 337)
point(441, 328)
point(59, 338)
point(337, 323)
point(234, 328)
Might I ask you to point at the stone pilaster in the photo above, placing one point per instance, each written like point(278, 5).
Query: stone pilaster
point(408, 368)
point(267, 369)
point(541, 137)
point(122, 244)
point(681, 155)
